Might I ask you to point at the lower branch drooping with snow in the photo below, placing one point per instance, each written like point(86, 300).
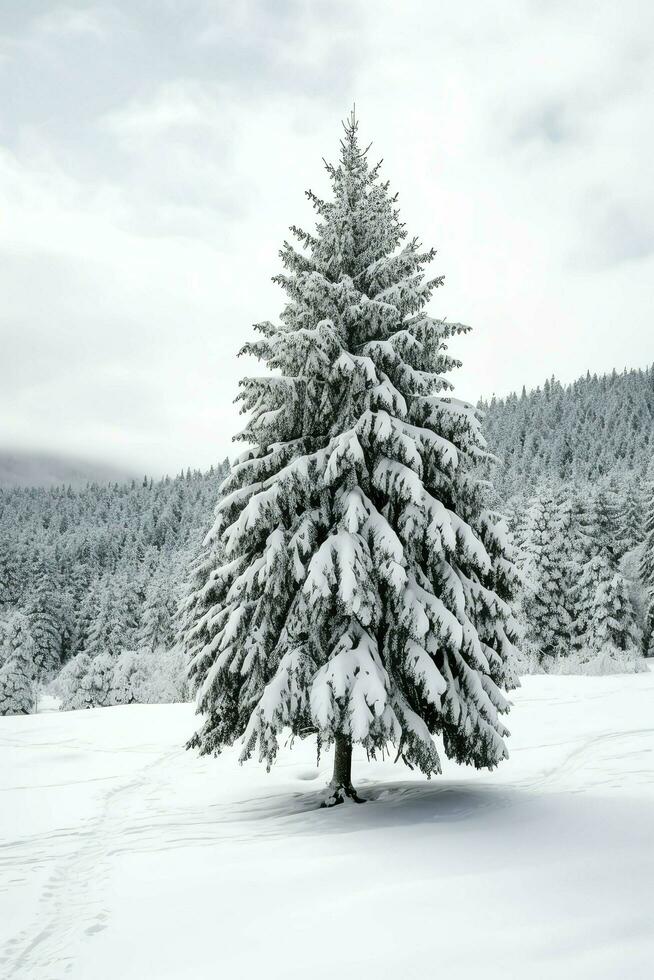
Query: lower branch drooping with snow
point(355, 584)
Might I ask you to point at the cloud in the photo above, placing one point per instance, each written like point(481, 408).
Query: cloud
point(176, 108)
point(547, 124)
point(304, 50)
point(69, 21)
point(152, 165)
point(621, 230)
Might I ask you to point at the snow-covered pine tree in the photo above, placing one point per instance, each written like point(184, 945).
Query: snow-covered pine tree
point(632, 518)
point(43, 609)
point(575, 525)
point(611, 625)
point(112, 628)
point(516, 513)
point(362, 591)
point(18, 668)
point(159, 613)
point(647, 565)
point(607, 626)
point(546, 616)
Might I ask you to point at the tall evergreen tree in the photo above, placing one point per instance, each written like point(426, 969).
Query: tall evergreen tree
point(360, 588)
point(611, 625)
point(547, 619)
point(159, 614)
point(18, 668)
point(43, 608)
point(576, 534)
point(632, 516)
point(112, 628)
point(647, 565)
point(606, 616)
point(606, 525)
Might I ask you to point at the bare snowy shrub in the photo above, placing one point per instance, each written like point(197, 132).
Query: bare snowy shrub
point(149, 677)
point(608, 661)
point(587, 662)
point(67, 686)
point(85, 682)
point(132, 677)
point(126, 678)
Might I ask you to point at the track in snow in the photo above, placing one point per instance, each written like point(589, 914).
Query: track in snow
point(121, 855)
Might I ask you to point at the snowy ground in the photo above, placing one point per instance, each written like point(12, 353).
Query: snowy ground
point(123, 856)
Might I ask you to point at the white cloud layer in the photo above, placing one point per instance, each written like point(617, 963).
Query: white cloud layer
point(153, 155)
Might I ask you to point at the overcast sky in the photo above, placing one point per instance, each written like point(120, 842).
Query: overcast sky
point(152, 155)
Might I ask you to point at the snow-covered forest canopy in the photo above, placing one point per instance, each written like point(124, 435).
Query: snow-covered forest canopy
point(593, 428)
point(100, 570)
point(94, 575)
point(576, 480)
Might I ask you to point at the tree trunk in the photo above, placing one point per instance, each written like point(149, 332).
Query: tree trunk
point(342, 761)
point(341, 787)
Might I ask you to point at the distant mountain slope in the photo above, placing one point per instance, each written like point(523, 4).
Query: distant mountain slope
point(591, 428)
point(25, 469)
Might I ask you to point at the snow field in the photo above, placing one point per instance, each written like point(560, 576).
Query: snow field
point(124, 856)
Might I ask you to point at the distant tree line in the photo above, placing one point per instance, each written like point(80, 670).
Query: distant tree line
point(581, 432)
point(576, 480)
point(585, 551)
point(94, 573)
point(91, 579)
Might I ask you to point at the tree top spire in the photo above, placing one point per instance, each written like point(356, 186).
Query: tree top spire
point(351, 152)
